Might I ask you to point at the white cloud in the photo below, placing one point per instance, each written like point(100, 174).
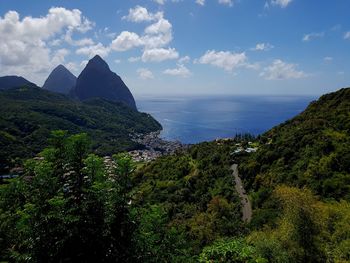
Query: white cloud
point(134, 59)
point(161, 2)
point(263, 47)
point(55, 42)
point(280, 70)
point(162, 26)
point(200, 2)
point(145, 73)
point(347, 35)
point(281, 3)
point(125, 41)
point(59, 56)
point(328, 59)
point(156, 35)
point(180, 71)
point(79, 42)
point(91, 51)
point(311, 36)
point(141, 14)
point(185, 59)
point(224, 59)
point(226, 2)
point(159, 54)
point(117, 61)
point(156, 41)
point(83, 63)
point(72, 66)
point(25, 43)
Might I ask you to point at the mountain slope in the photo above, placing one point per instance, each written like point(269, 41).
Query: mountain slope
point(8, 82)
point(194, 190)
point(310, 150)
point(295, 179)
point(60, 80)
point(27, 115)
point(97, 80)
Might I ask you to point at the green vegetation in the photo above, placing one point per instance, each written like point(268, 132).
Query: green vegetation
point(303, 169)
point(194, 197)
point(310, 150)
point(306, 230)
point(67, 207)
point(71, 206)
point(230, 250)
point(29, 114)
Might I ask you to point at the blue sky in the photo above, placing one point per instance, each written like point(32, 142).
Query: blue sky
point(184, 46)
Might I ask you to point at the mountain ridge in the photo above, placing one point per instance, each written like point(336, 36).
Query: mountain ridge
point(11, 81)
point(27, 115)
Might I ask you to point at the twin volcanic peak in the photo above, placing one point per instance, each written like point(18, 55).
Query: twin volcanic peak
point(60, 80)
point(97, 80)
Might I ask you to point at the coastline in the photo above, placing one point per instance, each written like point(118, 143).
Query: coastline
point(155, 147)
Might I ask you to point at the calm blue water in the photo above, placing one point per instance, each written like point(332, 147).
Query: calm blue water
point(197, 119)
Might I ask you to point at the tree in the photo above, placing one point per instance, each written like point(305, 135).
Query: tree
point(67, 207)
point(230, 250)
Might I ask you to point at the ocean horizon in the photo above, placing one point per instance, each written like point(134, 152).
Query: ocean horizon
point(194, 119)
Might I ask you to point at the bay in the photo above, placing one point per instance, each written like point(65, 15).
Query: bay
point(193, 119)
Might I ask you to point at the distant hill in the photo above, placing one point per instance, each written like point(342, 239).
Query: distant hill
point(97, 80)
point(60, 80)
point(310, 150)
point(27, 115)
point(8, 82)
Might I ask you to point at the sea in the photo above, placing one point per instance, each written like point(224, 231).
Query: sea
point(194, 119)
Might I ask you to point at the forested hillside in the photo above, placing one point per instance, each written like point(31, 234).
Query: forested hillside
point(310, 150)
point(28, 115)
point(192, 195)
point(73, 206)
point(299, 182)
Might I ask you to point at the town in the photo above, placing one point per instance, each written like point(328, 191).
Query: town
point(154, 147)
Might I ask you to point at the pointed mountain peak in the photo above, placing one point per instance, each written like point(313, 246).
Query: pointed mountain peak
point(98, 62)
point(96, 58)
point(98, 81)
point(60, 80)
point(60, 66)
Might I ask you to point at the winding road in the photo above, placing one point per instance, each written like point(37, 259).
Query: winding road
point(246, 205)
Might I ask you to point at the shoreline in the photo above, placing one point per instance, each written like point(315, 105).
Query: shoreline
point(155, 147)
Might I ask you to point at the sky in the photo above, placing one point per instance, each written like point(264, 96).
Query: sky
point(278, 47)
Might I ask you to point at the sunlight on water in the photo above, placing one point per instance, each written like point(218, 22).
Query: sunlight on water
point(197, 119)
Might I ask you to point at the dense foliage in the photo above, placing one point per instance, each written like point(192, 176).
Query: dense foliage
point(27, 115)
point(68, 207)
point(306, 230)
point(302, 168)
point(310, 150)
point(71, 206)
point(230, 250)
point(194, 191)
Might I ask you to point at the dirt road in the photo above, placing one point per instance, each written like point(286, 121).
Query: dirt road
point(246, 205)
